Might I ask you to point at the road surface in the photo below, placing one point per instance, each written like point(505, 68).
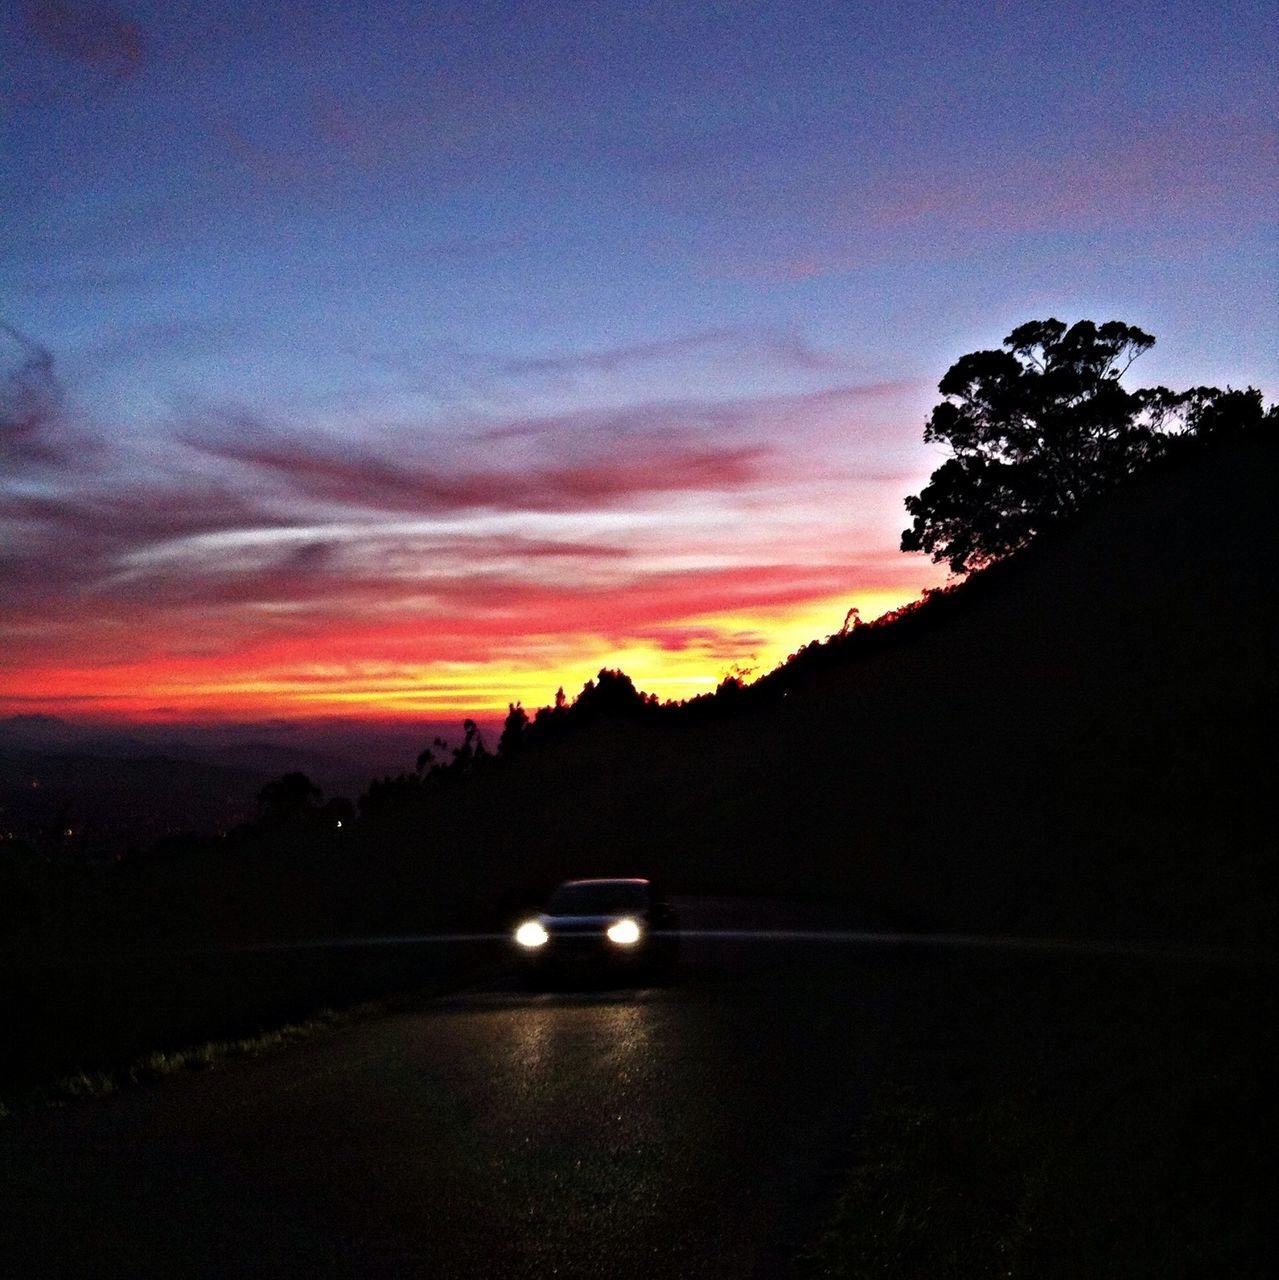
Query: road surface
point(667, 1131)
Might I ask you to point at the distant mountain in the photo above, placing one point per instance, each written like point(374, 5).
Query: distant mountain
point(341, 757)
point(78, 807)
point(33, 725)
point(51, 733)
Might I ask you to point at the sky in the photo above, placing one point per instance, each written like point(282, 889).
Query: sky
point(408, 359)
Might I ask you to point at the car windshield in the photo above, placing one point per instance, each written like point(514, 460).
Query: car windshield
point(598, 897)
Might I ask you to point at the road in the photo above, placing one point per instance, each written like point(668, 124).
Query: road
point(672, 1131)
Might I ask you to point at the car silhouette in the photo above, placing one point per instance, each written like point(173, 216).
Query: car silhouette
point(602, 928)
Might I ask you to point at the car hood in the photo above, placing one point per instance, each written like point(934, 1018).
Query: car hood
point(583, 924)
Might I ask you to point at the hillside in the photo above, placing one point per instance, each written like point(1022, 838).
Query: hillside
point(1078, 740)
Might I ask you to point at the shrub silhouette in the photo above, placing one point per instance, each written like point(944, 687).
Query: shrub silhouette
point(289, 802)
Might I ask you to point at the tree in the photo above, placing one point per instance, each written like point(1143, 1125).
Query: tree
point(1037, 431)
point(612, 694)
point(512, 739)
point(289, 801)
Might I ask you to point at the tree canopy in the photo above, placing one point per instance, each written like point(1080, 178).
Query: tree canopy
point(1039, 429)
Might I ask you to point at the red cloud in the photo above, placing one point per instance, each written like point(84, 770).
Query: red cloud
point(307, 604)
point(710, 642)
point(373, 481)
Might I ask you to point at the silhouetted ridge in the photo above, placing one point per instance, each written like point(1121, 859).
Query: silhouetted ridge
point(1076, 739)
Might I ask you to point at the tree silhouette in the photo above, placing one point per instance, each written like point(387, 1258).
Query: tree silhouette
point(427, 759)
point(289, 801)
point(612, 694)
point(472, 750)
point(1212, 415)
point(512, 739)
point(1036, 431)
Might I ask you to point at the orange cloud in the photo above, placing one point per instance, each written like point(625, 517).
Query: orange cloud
point(677, 634)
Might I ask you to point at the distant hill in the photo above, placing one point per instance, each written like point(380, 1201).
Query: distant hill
point(77, 807)
point(116, 788)
point(339, 756)
point(1080, 739)
point(52, 733)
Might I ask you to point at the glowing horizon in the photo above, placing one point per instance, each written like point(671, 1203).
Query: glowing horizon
point(674, 667)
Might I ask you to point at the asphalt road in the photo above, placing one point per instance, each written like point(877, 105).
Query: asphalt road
point(668, 1131)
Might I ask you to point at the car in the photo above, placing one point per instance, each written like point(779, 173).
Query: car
point(602, 928)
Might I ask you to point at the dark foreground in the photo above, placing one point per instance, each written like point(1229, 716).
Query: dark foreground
point(700, 1129)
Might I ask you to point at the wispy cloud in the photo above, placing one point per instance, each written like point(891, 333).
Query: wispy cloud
point(1184, 168)
point(292, 606)
point(33, 430)
point(267, 164)
point(118, 519)
point(709, 642)
point(786, 348)
point(763, 416)
point(361, 477)
point(176, 335)
point(1217, 170)
point(91, 35)
point(452, 374)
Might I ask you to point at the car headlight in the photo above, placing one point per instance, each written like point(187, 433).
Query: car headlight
point(625, 933)
point(531, 934)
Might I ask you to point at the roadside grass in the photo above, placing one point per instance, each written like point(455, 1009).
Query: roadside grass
point(89, 1030)
point(210, 1056)
point(1097, 1129)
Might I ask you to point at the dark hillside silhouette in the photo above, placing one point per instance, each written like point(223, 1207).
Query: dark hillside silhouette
point(1078, 739)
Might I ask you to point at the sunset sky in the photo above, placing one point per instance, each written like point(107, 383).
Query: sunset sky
point(408, 359)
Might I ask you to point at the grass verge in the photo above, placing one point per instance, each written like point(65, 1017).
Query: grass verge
point(92, 1029)
point(210, 1056)
point(1065, 1125)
